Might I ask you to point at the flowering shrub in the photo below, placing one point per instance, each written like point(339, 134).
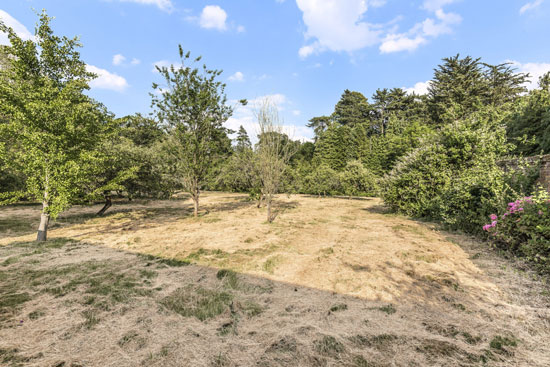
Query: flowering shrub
point(524, 228)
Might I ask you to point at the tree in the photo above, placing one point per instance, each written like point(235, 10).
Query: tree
point(55, 127)
point(319, 125)
point(463, 86)
point(243, 141)
point(529, 126)
point(352, 109)
point(192, 105)
point(273, 153)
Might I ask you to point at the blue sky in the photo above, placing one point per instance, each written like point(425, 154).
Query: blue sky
point(302, 53)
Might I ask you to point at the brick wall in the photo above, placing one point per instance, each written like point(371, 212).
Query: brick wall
point(545, 171)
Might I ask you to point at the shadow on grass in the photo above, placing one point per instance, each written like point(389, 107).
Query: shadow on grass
point(299, 325)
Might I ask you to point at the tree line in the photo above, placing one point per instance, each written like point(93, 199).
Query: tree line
point(433, 155)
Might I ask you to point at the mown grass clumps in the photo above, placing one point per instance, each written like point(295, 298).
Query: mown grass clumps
point(503, 344)
point(338, 307)
point(11, 357)
point(99, 286)
point(388, 309)
point(199, 302)
point(329, 346)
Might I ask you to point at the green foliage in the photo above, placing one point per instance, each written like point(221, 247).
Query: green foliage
point(352, 109)
point(453, 177)
point(355, 180)
point(463, 86)
point(321, 180)
point(54, 129)
point(192, 104)
point(529, 125)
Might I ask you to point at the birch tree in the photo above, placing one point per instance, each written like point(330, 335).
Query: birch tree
point(273, 153)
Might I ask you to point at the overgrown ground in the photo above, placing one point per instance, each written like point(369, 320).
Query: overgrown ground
point(332, 282)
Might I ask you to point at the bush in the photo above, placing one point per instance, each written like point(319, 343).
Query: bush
point(357, 180)
point(454, 177)
point(524, 229)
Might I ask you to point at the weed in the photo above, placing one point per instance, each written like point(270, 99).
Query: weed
point(11, 260)
point(338, 307)
point(197, 302)
point(389, 309)
point(250, 308)
point(249, 240)
point(148, 274)
point(329, 346)
point(286, 344)
point(12, 357)
point(127, 338)
point(35, 315)
point(270, 264)
point(360, 361)
point(174, 262)
point(220, 360)
point(91, 319)
point(468, 338)
point(498, 343)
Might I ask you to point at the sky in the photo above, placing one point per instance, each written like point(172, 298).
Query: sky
point(301, 54)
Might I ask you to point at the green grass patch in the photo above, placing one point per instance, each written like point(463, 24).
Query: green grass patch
point(388, 309)
point(199, 302)
point(339, 307)
point(271, 264)
point(329, 346)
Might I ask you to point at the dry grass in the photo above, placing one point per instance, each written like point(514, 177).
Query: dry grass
point(331, 282)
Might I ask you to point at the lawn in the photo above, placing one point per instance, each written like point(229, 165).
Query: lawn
point(331, 282)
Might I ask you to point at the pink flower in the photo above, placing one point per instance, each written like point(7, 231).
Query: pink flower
point(494, 223)
point(493, 217)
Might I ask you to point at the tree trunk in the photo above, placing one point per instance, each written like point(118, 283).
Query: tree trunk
point(43, 227)
point(269, 217)
point(107, 205)
point(260, 201)
point(196, 204)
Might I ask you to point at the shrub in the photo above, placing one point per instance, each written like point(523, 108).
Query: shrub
point(454, 177)
point(356, 180)
point(524, 228)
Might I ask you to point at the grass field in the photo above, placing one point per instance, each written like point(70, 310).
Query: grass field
point(332, 282)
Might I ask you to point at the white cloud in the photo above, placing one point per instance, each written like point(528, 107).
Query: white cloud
point(419, 88)
point(433, 5)
point(432, 28)
point(377, 3)
point(296, 112)
point(106, 79)
point(237, 77)
point(165, 5)
point(535, 70)
point(419, 34)
point(336, 25)
point(241, 29)
point(17, 27)
point(400, 42)
point(135, 61)
point(213, 17)
point(118, 59)
point(530, 6)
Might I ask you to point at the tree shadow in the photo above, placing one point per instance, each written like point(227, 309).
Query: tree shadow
point(202, 314)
